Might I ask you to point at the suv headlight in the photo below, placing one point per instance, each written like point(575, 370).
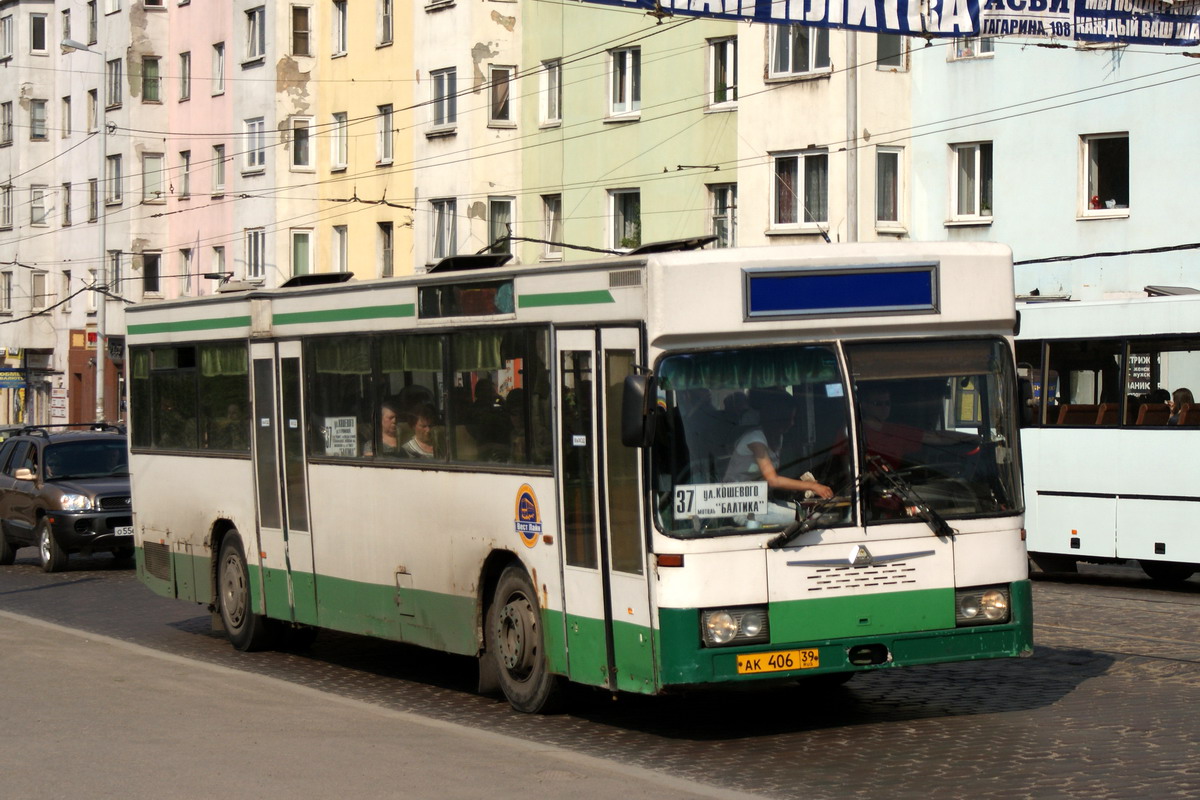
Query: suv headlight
point(76, 502)
point(983, 605)
point(734, 626)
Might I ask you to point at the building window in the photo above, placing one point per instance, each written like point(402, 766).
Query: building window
point(887, 186)
point(66, 117)
point(1106, 180)
point(185, 269)
point(972, 181)
point(6, 207)
point(339, 249)
point(972, 47)
point(6, 123)
point(383, 22)
point(552, 225)
point(39, 296)
point(384, 135)
point(891, 51)
point(150, 273)
point(185, 173)
point(339, 140)
point(66, 204)
point(339, 27)
point(500, 220)
point(797, 50)
point(386, 251)
point(550, 85)
point(625, 87)
point(152, 178)
point(218, 264)
point(445, 228)
point(256, 33)
point(93, 199)
point(256, 240)
point(500, 102)
point(114, 272)
point(151, 81)
point(37, 205)
point(113, 179)
point(302, 252)
point(801, 195)
point(218, 169)
point(301, 30)
point(723, 72)
point(93, 110)
point(37, 34)
point(445, 101)
point(723, 200)
point(93, 22)
point(37, 120)
point(218, 68)
point(626, 215)
point(66, 285)
point(302, 143)
point(6, 286)
point(66, 23)
point(185, 76)
point(112, 97)
point(6, 37)
point(256, 153)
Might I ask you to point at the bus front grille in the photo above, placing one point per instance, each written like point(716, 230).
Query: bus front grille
point(848, 578)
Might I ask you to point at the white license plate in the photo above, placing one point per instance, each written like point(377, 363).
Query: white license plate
point(123, 530)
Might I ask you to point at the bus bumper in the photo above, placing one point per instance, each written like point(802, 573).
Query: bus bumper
point(685, 661)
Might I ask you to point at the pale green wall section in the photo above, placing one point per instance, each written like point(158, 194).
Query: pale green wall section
point(587, 155)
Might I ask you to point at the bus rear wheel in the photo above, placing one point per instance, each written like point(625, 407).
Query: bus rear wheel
point(246, 630)
point(516, 643)
point(1169, 572)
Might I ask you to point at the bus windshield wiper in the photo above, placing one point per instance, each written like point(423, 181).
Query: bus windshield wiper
point(810, 521)
point(936, 522)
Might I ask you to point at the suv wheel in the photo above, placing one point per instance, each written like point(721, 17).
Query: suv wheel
point(53, 558)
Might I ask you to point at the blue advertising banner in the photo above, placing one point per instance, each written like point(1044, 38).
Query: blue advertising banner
point(1151, 22)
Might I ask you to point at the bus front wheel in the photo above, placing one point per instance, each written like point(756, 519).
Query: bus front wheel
point(246, 630)
point(516, 643)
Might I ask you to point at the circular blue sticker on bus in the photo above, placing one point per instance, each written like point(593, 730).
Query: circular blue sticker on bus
point(528, 516)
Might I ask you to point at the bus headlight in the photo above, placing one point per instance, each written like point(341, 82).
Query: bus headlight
point(723, 626)
point(986, 605)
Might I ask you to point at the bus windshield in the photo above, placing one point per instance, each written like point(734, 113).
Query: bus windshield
point(758, 438)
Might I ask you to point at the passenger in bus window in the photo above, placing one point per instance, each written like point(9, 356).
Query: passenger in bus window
point(389, 434)
point(1179, 398)
point(892, 441)
point(756, 453)
point(422, 420)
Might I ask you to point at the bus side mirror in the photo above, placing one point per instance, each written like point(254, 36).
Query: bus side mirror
point(637, 423)
point(1028, 406)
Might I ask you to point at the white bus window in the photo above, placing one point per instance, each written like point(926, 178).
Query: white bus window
point(722, 412)
point(339, 396)
point(935, 422)
point(1088, 389)
point(411, 414)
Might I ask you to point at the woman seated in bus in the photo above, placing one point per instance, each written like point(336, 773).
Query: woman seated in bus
point(389, 433)
point(756, 453)
point(1179, 399)
point(421, 419)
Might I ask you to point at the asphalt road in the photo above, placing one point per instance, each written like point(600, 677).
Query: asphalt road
point(111, 691)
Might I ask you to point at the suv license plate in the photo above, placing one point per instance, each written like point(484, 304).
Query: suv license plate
point(780, 661)
point(123, 530)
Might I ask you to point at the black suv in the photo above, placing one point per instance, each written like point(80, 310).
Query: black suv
point(65, 490)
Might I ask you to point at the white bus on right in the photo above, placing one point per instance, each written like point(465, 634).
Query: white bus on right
point(1112, 444)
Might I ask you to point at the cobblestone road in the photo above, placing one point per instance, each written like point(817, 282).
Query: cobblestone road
point(1104, 709)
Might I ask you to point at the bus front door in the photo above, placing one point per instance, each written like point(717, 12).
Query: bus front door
point(285, 542)
point(605, 591)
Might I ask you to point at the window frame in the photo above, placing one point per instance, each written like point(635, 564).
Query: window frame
point(818, 63)
point(897, 187)
point(970, 48)
point(339, 21)
point(301, 36)
point(444, 98)
point(39, 215)
point(900, 57)
point(8, 32)
point(722, 56)
point(385, 235)
point(185, 76)
point(217, 75)
point(151, 79)
point(185, 174)
point(39, 124)
point(618, 212)
point(339, 141)
point(550, 93)
point(114, 190)
point(254, 160)
point(443, 227)
point(308, 236)
point(65, 124)
point(34, 50)
point(982, 200)
point(501, 113)
point(552, 223)
point(385, 135)
point(256, 35)
point(385, 18)
point(303, 144)
point(218, 170)
point(625, 82)
point(501, 203)
point(807, 220)
point(65, 189)
point(1092, 203)
point(723, 206)
point(255, 253)
point(112, 84)
point(6, 123)
point(154, 177)
point(6, 207)
point(339, 248)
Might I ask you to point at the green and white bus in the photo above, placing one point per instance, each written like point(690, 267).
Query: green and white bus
point(644, 473)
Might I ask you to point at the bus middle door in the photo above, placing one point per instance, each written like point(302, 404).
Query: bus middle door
point(605, 593)
point(285, 542)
